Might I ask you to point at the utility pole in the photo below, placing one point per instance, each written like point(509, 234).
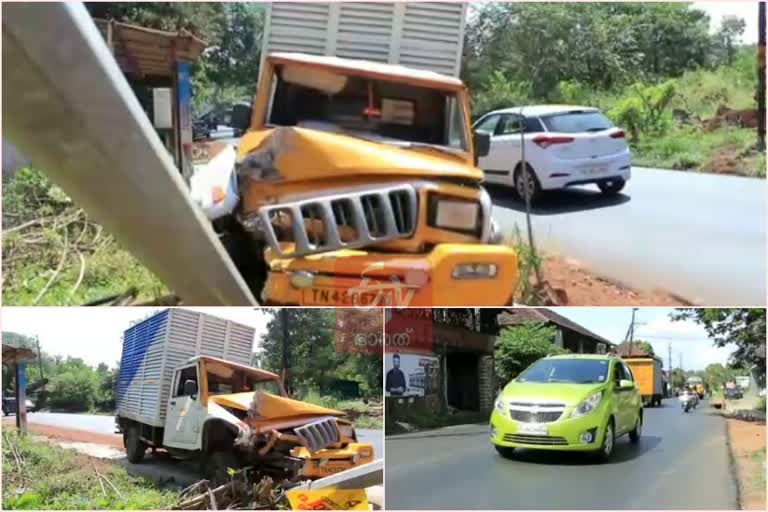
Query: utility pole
point(669, 370)
point(761, 77)
point(284, 325)
point(632, 331)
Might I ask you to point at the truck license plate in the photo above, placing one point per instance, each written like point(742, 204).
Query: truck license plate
point(532, 429)
point(341, 297)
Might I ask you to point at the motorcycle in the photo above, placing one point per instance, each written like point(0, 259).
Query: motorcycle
point(687, 402)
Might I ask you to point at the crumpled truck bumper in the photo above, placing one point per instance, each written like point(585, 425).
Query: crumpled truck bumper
point(361, 278)
point(333, 460)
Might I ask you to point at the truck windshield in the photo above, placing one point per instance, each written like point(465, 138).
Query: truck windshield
point(224, 380)
point(380, 110)
point(578, 371)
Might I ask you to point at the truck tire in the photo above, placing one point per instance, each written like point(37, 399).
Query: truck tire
point(134, 446)
point(217, 464)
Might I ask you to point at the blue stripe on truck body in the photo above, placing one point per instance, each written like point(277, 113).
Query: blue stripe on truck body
point(136, 342)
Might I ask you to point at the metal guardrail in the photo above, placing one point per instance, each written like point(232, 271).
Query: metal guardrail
point(68, 107)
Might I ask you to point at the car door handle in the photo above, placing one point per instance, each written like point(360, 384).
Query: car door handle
point(173, 402)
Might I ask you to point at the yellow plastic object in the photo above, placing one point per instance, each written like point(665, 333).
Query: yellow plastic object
point(271, 406)
point(396, 279)
point(328, 499)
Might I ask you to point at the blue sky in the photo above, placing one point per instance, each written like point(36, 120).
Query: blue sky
point(688, 339)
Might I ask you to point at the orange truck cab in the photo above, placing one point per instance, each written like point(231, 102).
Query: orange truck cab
point(358, 185)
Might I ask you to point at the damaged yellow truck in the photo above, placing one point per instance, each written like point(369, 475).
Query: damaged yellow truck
point(185, 388)
point(356, 184)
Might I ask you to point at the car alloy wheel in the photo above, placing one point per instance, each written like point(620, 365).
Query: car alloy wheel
point(608, 443)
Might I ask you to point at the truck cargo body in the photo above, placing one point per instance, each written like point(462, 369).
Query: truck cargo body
point(422, 35)
point(154, 347)
point(648, 378)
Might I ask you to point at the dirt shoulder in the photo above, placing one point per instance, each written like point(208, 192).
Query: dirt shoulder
point(70, 434)
point(747, 445)
point(583, 287)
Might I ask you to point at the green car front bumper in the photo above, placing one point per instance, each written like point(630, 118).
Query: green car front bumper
point(569, 434)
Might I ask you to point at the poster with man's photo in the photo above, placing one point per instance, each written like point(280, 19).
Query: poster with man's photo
point(410, 375)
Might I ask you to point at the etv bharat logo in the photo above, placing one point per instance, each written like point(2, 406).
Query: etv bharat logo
point(393, 294)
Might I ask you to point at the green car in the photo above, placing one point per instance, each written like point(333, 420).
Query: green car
point(570, 403)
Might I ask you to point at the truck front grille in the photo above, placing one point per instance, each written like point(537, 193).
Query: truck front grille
point(535, 440)
point(341, 221)
point(319, 434)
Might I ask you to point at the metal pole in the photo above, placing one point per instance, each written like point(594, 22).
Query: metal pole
point(68, 107)
point(39, 357)
point(632, 331)
point(21, 396)
point(761, 77)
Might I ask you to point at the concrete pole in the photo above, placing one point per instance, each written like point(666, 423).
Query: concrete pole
point(21, 396)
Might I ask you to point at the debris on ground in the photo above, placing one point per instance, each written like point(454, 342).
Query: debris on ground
point(242, 492)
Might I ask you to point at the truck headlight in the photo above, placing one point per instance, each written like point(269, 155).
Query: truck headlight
point(587, 405)
point(347, 431)
point(454, 214)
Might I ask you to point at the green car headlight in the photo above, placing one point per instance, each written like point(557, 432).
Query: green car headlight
point(499, 404)
point(587, 405)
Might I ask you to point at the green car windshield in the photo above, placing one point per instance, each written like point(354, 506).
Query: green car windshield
point(577, 371)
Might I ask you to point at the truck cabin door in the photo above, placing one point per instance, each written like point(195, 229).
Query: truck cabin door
point(186, 413)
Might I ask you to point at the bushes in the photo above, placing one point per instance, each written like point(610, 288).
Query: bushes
point(520, 346)
point(500, 92)
point(645, 110)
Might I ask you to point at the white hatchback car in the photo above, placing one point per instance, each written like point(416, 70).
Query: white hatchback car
point(564, 145)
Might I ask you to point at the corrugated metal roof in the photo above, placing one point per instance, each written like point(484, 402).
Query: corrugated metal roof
point(520, 316)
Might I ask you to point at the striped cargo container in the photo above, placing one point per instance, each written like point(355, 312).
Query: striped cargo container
point(154, 347)
point(423, 35)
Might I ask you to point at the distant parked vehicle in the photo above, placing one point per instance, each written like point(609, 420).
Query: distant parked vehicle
point(564, 146)
point(9, 405)
point(733, 393)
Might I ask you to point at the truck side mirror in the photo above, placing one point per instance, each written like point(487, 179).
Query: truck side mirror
point(190, 388)
point(482, 143)
point(240, 118)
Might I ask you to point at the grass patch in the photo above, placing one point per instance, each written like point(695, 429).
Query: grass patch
point(728, 150)
point(758, 470)
point(37, 475)
point(54, 234)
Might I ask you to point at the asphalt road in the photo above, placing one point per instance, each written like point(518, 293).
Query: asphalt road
point(681, 462)
point(105, 424)
point(700, 236)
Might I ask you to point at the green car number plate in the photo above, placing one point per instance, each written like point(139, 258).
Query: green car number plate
point(532, 429)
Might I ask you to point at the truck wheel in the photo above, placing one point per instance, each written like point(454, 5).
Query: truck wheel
point(217, 465)
point(505, 451)
point(634, 434)
point(134, 446)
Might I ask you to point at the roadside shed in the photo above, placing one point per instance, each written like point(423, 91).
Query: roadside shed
point(17, 359)
point(157, 65)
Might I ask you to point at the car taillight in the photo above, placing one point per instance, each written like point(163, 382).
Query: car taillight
point(544, 141)
point(618, 135)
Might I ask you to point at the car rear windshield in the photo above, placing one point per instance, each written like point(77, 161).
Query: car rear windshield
point(577, 122)
point(578, 371)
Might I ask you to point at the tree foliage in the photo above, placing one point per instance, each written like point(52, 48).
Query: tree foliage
point(520, 346)
point(313, 358)
point(742, 327)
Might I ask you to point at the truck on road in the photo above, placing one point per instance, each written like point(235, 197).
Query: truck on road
point(185, 387)
point(648, 375)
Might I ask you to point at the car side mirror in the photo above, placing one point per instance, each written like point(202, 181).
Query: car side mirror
point(482, 143)
point(626, 384)
point(190, 388)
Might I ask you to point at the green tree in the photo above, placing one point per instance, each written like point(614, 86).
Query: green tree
point(520, 346)
point(729, 36)
point(742, 327)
